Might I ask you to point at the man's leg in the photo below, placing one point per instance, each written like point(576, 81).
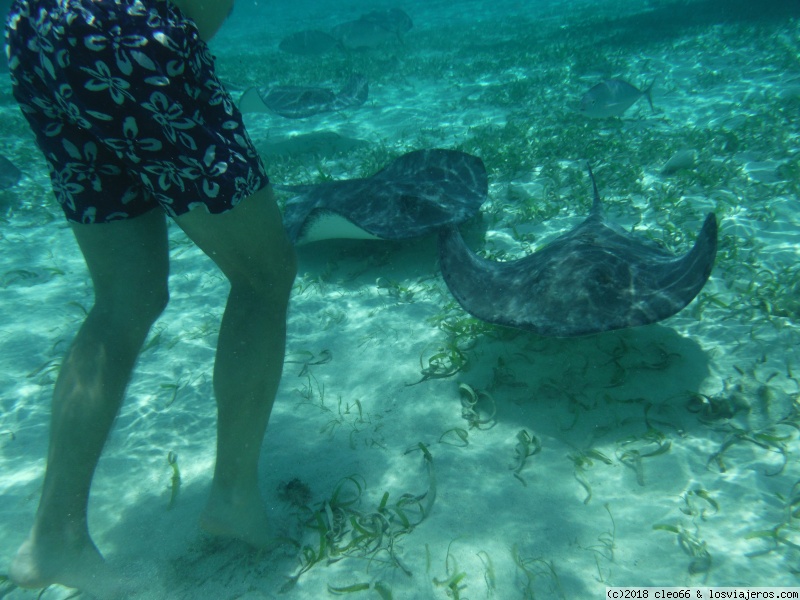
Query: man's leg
point(129, 264)
point(250, 246)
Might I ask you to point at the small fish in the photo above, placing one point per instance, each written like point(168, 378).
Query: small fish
point(612, 98)
point(681, 160)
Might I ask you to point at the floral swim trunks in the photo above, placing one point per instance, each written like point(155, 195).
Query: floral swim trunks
point(126, 107)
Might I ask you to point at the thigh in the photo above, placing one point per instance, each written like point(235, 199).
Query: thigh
point(129, 263)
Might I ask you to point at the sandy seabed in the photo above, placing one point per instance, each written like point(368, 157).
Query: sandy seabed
point(414, 452)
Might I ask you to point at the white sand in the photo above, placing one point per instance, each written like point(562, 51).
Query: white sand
point(535, 535)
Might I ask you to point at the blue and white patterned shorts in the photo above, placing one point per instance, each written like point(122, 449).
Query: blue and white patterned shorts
point(124, 102)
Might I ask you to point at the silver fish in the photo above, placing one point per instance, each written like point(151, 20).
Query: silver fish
point(612, 98)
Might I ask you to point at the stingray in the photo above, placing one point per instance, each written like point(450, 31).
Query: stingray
point(596, 277)
point(373, 29)
point(297, 102)
point(416, 194)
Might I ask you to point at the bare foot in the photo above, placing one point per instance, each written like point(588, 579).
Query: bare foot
point(74, 564)
point(240, 515)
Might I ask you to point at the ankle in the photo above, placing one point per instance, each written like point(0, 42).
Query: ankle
point(66, 532)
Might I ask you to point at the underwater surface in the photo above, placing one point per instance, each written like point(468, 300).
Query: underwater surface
point(415, 451)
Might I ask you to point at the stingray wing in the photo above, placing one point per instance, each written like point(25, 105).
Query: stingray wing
point(300, 210)
point(589, 280)
point(297, 102)
point(354, 93)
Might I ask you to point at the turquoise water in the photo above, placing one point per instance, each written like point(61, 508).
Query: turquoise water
point(660, 455)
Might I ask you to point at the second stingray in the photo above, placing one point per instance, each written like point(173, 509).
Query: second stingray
point(299, 102)
point(596, 277)
point(416, 194)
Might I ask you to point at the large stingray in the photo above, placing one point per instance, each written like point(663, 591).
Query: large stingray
point(297, 102)
point(594, 278)
point(416, 194)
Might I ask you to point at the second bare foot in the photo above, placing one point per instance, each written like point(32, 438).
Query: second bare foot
point(240, 515)
point(40, 562)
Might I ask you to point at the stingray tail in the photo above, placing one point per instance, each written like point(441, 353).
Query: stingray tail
point(704, 253)
point(597, 203)
point(647, 94)
point(689, 274)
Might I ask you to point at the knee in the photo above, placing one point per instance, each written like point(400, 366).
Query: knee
point(278, 282)
point(137, 309)
point(272, 282)
point(153, 303)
